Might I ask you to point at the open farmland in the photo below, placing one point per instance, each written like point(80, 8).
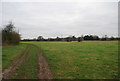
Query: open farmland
point(81, 60)
point(11, 53)
point(70, 40)
point(66, 60)
point(29, 68)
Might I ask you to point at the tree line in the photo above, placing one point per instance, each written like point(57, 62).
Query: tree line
point(73, 38)
point(10, 36)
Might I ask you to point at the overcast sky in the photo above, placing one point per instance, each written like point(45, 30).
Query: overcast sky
point(52, 19)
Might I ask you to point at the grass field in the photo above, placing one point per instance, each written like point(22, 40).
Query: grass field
point(68, 60)
point(29, 68)
point(82, 60)
point(11, 53)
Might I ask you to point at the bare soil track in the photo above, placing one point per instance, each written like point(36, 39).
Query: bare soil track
point(44, 70)
point(7, 72)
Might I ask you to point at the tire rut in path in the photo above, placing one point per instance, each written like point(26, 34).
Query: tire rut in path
point(44, 70)
point(7, 72)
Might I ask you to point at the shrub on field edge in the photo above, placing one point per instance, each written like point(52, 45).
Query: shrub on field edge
point(9, 35)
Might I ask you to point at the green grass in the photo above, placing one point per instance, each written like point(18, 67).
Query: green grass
point(29, 68)
point(67, 60)
point(81, 60)
point(11, 53)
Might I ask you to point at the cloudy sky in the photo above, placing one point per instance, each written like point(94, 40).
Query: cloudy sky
point(52, 19)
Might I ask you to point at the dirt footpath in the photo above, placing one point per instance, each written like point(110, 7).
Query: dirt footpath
point(44, 69)
point(7, 72)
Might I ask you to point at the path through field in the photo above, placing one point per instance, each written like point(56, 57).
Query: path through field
point(43, 71)
point(7, 72)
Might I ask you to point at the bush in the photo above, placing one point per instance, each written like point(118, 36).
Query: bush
point(9, 36)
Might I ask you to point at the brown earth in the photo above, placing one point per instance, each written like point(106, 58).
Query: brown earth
point(44, 69)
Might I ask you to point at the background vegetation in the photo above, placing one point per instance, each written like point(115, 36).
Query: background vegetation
point(73, 38)
point(9, 35)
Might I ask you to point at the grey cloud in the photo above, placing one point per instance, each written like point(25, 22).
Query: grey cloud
point(52, 19)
